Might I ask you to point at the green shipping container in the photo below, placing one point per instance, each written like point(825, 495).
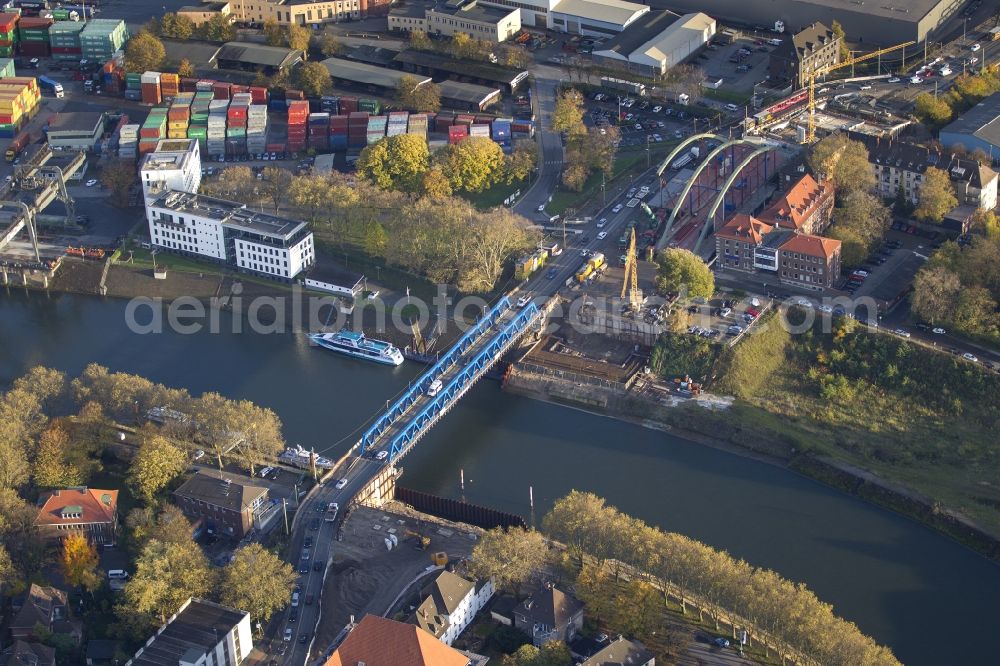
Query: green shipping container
point(6, 68)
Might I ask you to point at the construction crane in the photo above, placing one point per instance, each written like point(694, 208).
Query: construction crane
point(631, 283)
point(823, 71)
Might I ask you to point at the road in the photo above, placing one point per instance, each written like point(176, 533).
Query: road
point(550, 156)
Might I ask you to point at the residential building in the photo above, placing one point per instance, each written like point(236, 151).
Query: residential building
point(229, 232)
point(101, 652)
point(22, 653)
point(174, 165)
point(657, 41)
point(377, 641)
point(622, 652)
point(450, 604)
point(306, 12)
point(203, 13)
point(977, 128)
point(806, 207)
point(228, 507)
point(200, 633)
point(806, 51)
point(87, 511)
point(736, 243)
point(251, 57)
point(549, 615)
point(488, 23)
point(75, 130)
point(45, 607)
point(810, 261)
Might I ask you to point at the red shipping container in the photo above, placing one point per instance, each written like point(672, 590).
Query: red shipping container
point(34, 49)
point(189, 85)
point(464, 119)
point(73, 50)
point(34, 22)
point(220, 90)
point(275, 147)
point(457, 132)
point(151, 93)
point(8, 21)
point(294, 95)
point(239, 89)
point(258, 94)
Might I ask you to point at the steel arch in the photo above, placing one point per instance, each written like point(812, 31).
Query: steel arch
point(721, 196)
point(681, 146)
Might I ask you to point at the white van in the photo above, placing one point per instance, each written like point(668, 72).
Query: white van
point(264, 472)
point(117, 574)
point(732, 107)
point(435, 388)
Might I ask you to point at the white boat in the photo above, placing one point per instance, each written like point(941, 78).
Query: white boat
point(300, 457)
point(356, 344)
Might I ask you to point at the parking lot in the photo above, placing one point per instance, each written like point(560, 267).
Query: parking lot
point(740, 65)
point(641, 121)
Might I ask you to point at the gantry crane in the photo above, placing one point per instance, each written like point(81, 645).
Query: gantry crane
point(631, 283)
point(823, 71)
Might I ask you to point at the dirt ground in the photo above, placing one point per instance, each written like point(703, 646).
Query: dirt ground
point(366, 578)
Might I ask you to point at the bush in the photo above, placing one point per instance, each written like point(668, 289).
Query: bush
point(679, 354)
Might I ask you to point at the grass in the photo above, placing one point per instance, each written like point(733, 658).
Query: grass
point(494, 196)
point(627, 165)
point(726, 95)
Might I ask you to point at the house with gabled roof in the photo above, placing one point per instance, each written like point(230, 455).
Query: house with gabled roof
point(89, 511)
point(46, 607)
point(377, 641)
point(806, 207)
point(549, 615)
point(449, 605)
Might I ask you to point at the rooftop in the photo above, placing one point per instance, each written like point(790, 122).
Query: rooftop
point(359, 72)
point(793, 208)
point(170, 155)
point(21, 653)
point(78, 505)
point(472, 10)
point(744, 227)
point(377, 641)
point(196, 628)
point(481, 70)
point(212, 487)
point(811, 38)
point(202, 53)
point(814, 246)
point(656, 35)
point(549, 606)
point(373, 55)
point(441, 598)
point(76, 121)
point(408, 11)
point(648, 27)
point(42, 605)
point(229, 213)
point(258, 54)
point(617, 12)
point(621, 652)
point(982, 120)
point(903, 10)
point(887, 151)
point(466, 92)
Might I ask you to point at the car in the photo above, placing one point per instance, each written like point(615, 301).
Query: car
point(803, 302)
point(288, 634)
point(725, 312)
point(975, 47)
point(340, 484)
point(550, 274)
point(584, 252)
point(318, 565)
point(892, 79)
point(274, 156)
point(541, 208)
point(938, 331)
point(304, 568)
point(916, 79)
point(293, 615)
point(309, 599)
point(969, 357)
point(866, 87)
point(720, 642)
point(198, 455)
point(677, 134)
point(901, 332)
point(657, 109)
point(314, 525)
point(617, 208)
point(973, 60)
point(630, 193)
point(92, 182)
point(602, 235)
point(372, 295)
point(638, 127)
point(601, 222)
point(303, 638)
point(825, 308)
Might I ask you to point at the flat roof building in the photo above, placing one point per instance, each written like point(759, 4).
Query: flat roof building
point(201, 633)
point(365, 76)
point(257, 57)
point(467, 96)
point(659, 40)
point(440, 66)
point(75, 130)
point(174, 165)
point(199, 14)
point(489, 23)
point(977, 128)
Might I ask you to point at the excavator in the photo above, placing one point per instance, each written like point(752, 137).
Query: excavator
point(421, 542)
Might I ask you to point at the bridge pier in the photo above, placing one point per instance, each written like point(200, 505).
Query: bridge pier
point(379, 490)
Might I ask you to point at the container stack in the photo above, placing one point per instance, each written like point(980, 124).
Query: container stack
point(457, 132)
point(277, 101)
point(443, 121)
point(257, 125)
point(338, 132)
point(215, 135)
point(522, 129)
point(128, 141)
point(376, 129)
point(150, 88)
point(480, 131)
point(348, 105)
point(357, 129)
point(179, 116)
point(113, 76)
point(501, 132)
point(330, 104)
point(397, 123)
point(19, 98)
point(152, 130)
point(64, 38)
point(372, 106)
point(294, 95)
point(100, 38)
point(464, 119)
point(259, 95)
point(417, 124)
point(319, 130)
point(189, 84)
point(298, 114)
point(7, 68)
point(236, 124)
point(8, 34)
point(205, 85)
point(198, 127)
point(170, 85)
point(221, 90)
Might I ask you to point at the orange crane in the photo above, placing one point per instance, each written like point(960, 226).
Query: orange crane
point(631, 283)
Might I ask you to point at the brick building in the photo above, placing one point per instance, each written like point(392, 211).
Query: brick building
point(807, 207)
point(811, 48)
point(79, 510)
point(227, 507)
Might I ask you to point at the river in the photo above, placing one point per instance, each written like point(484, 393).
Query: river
point(931, 600)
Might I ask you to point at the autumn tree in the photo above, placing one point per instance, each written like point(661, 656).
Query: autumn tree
point(79, 562)
point(273, 34)
point(311, 194)
point(185, 68)
point(19, 539)
point(513, 557)
point(935, 293)
point(48, 386)
point(838, 32)
point(860, 223)
point(21, 422)
point(166, 575)
point(597, 589)
point(219, 28)
point(475, 164)
point(682, 271)
point(419, 41)
point(8, 572)
point(144, 52)
point(52, 468)
point(169, 525)
point(435, 183)
point(329, 45)
point(931, 110)
point(522, 161)
point(176, 26)
point(257, 581)
point(845, 162)
point(413, 94)
point(313, 78)
point(491, 240)
point(235, 183)
point(937, 196)
point(155, 465)
point(298, 38)
point(568, 113)
point(395, 162)
point(118, 177)
point(274, 184)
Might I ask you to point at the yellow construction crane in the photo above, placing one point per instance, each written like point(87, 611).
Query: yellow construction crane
point(631, 282)
point(823, 71)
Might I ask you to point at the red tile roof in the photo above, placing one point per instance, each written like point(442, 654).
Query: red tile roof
point(793, 209)
point(744, 227)
point(96, 506)
point(813, 246)
point(377, 641)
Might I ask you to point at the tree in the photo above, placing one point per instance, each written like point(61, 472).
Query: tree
point(329, 45)
point(219, 28)
point(310, 193)
point(144, 52)
point(185, 68)
point(553, 653)
point(937, 196)
point(490, 241)
point(679, 270)
point(118, 178)
point(47, 385)
point(976, 311)
point(257, 581)
point(596, 589)
point(166, 575)
point(844, 161)
point(838, 32)
point(52, 469)
point(298, 38)
point(474, 164)
point(8, 572)
point(313, 78)
point(522, 161)
point(19, 538)
point(419, 41)
point(396, 162)
point(169, 526)
point(574, 176)
point(176, 26)
point(273, 34)
point(860, 223)
point(513, 557)
point(416, 96)
point(156, 464)
point(931, 110)
point(435, 184)
point(79, 562)
point(275, 184)
point(234, 183)
point(463, 47)
point(568, 113)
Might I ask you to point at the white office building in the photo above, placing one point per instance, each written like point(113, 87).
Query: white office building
point(229, 232)
point(594, 18)
point(174, 165)
point(201, 633)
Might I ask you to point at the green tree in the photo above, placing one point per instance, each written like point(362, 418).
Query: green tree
point(79, 562)
point(257, 581)
point(375, 239)
point(273, 34)
point(298, 38)
point(574, 175)
point(595, 588)
point(156, 464)
point(234, 183)
point(118, 177)
point(311, 193)
point(937, 196)
point(175, 26)
point(8, 572)
point(275, 184)
point(680, 271)
point(19, 539)
point(838, 32)
point(396, 162)
point(166, 575)
point(976, 311)
point(144, 524)
point(185, 68)
point(568, 113)
point(513, 557)
point(860, 223)
point(219, 28)
point(48, 386)
point(419, 41)
point(144, 52)
point(313, 78)
point(329, 45)
point(475, 164)
point(931, 110)
point(845, 162)
point(416, 96)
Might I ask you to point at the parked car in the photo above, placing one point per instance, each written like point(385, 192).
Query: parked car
point(969, 357)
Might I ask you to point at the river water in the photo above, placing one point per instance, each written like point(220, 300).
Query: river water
point(931, 600)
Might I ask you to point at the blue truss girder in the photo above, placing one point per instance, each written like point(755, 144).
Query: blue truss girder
point(398, 408)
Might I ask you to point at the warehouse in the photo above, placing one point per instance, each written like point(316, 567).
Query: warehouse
point(370, 78)
point(656, 42)
point(979, 127)
point(876, 23)
point(595, 19)
point(203, 13)
point(483, 73)
point(467, 96)
point(80, 130)
point(257, 57)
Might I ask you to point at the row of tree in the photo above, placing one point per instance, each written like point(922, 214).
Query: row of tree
point(462, 46)
point(936, 110)
point(587, 150)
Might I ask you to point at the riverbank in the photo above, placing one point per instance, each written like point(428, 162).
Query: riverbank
point(729, 429)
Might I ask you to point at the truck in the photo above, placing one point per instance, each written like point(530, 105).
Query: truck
point(17, 145)
point(51, 85)
point(686, 158)
point(594, 262)
point(621, 85)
